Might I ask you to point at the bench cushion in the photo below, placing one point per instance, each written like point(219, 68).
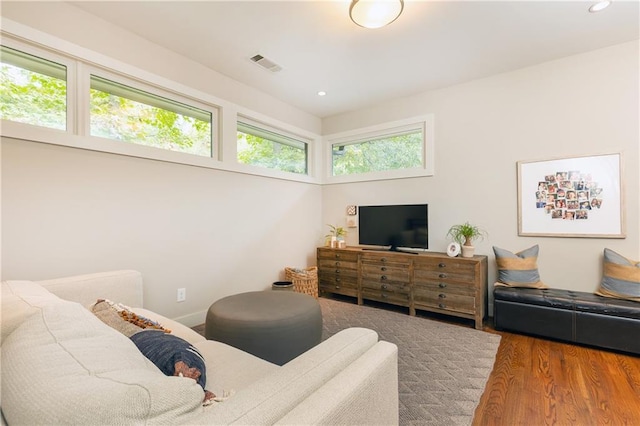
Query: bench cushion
point(569, 300)
point(568, 315)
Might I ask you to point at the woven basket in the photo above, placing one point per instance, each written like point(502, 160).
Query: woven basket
point(304, 280)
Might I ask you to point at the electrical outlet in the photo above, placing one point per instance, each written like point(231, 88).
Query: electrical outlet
point(182, 294)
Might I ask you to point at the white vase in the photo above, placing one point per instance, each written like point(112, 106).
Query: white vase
point(467, 251)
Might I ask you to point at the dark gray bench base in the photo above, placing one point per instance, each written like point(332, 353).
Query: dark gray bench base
point(571, 316)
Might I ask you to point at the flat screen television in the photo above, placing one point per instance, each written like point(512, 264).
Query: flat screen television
point(394, 227)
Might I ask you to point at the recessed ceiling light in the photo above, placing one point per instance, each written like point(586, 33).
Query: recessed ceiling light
point(322, 93)
point(601, 5)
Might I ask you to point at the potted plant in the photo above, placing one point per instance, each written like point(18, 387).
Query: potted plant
point(336, 234)
point(464, 234)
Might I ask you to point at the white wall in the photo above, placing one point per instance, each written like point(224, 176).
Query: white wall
point(69, 211)
point(580, 105)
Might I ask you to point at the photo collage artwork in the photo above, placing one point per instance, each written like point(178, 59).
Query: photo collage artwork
point(568, 195)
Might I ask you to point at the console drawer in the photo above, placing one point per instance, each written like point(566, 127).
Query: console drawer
point(394, 297)
point(448, 302)
point(444, 269)
point(337, 255)
point(385, 274)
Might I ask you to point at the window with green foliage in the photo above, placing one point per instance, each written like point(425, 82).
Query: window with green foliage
point(125, 113)
point(265, 148)
point(33, 90)
point(403, 150)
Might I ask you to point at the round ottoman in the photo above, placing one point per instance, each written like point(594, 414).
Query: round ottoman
point(276, 326)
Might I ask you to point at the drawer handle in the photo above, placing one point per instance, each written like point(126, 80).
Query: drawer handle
point(384, 268)
point(383, 278)
point(337, 287)
point(337, 279)
point(384, 296)
point(442, 265)
point(443, 275)
point(337, 271)
point(337, 263)
point(337, 256)
point(384, 286)
point(442, 296)
point(441, 305)
point(442, 285)
point(384, 259)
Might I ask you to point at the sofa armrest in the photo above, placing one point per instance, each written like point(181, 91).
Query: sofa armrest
point(120, 286)
point(364, 393)
point(272, 397)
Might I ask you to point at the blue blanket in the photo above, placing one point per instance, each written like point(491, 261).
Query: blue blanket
point(165, 350)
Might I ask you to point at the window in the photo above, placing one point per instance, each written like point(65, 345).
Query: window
point(85, 100)
point(258, 146)
point(392, 152)
point(128, 114)
point(33, 90)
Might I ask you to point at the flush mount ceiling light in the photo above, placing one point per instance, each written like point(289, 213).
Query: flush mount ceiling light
point(375, 13)
point(601, 5)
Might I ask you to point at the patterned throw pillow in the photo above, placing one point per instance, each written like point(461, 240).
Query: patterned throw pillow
point(165, 350)
point(518, 270)
point(104, 311)
point(620, 277)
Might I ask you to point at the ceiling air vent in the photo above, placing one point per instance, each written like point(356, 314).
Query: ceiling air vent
point(266, 63)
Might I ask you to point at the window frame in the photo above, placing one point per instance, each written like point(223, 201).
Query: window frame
point(80, 60)
point(71, 77)
point(424, 123)
point(285, 136)
point(132, 147)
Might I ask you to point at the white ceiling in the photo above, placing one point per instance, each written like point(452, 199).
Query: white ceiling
point(432, 44)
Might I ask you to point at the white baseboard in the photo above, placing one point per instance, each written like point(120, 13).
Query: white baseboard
point(193, 319)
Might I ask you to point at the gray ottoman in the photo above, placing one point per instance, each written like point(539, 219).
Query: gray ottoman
point(276, 326)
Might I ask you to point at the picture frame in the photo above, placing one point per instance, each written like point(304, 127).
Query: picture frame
point(571, 197)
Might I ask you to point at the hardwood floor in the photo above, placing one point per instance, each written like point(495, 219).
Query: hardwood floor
point(542, 382)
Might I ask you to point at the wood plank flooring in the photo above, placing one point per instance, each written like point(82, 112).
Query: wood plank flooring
point(542, 382)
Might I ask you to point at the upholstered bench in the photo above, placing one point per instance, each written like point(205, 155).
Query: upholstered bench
point(276, 326)
point(572, 316)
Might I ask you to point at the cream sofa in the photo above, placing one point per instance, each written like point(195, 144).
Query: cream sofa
point(62, 365)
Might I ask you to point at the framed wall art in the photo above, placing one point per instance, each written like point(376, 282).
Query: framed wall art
point(571, 197)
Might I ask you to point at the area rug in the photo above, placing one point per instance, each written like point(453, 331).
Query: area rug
point(442, 368)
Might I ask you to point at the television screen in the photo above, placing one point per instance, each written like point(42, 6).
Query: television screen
point(394, 226)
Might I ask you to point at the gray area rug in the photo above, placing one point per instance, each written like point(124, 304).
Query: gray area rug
point(442, 368)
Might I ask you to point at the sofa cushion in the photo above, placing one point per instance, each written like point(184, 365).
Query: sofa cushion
point(122, 286)
point(63, 365)
point(620, 277)
point(20, 300)
point(230, 369)
point(519, 269)
point(270, 398)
